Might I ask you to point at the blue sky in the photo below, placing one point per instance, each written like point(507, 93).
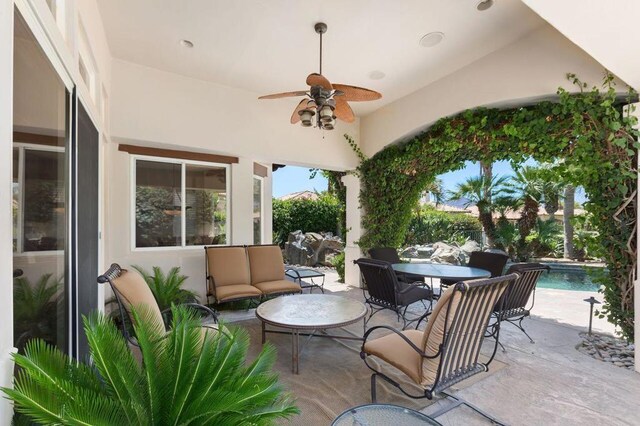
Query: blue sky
point(293, 179)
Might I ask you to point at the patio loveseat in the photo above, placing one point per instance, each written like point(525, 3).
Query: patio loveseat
point(246, 272)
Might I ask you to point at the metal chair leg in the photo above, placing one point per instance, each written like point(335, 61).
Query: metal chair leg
point(458, 402)
point(373, 388)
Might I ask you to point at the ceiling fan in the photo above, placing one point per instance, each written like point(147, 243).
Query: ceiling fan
point(326, 101)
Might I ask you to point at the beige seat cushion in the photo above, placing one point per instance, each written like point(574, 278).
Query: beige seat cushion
point(434, 334)
point(266, 264)
point(134, 291)
point(227, 266)
point(278, 286)
point(238, 291)
point(394, 350)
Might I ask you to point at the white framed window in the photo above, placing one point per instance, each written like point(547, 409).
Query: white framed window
point(38, 206)
point(87, 67)
point(179, 203)
point(58, 11)
point(258, 210)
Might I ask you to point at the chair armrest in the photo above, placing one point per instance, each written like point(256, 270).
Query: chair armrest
point(205, 309)
point(414, 284)
point(402, 336)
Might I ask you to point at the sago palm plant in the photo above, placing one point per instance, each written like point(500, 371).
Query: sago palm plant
point(35, 309)
point(167, 288)
point(187, 377)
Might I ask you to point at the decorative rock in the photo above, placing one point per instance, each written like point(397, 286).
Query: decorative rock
point(311, 249)
point(608, 349)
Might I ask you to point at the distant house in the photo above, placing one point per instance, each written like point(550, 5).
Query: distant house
point(512, 215)
point(300, 195)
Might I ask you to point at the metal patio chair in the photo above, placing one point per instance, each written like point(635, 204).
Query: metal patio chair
point(513, 305)
point(389, 254)
point(492, 262)
point(448, 350)
point(130, 289)
point(383, 290)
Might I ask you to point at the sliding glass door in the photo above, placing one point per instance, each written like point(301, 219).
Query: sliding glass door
point(41, 195)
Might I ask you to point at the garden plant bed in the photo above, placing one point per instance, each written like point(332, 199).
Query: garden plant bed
point(608, 349)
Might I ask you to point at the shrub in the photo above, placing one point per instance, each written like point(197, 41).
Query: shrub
point(338, 263)
point(187, 377)
point(167, 288)
point(429, 225)
point(320, 215)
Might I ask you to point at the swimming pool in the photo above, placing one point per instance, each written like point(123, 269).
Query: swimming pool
point(568, 279)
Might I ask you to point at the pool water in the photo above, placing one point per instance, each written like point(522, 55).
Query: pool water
point(575, 279)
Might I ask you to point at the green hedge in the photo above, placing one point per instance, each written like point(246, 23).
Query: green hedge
point(305, 215)
point(429, 225)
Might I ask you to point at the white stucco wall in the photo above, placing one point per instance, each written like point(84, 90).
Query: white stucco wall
point(531, 68)
point(153, 107)
point(6, 218)
point(159, 109)
point(608, 31)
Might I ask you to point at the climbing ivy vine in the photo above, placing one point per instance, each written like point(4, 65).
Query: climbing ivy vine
point(588, 130)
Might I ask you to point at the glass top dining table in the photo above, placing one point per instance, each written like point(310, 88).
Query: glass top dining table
point(443, 271)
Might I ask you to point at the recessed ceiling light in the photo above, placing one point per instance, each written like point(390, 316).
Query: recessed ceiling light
point(484, 5)
point(376, 75)
point(431, 39)
point(186, 43)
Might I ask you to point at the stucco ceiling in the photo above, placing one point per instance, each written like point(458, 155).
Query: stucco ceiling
point(269, 46)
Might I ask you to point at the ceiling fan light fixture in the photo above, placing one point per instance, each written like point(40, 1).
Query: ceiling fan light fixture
point(326, 113)
point(306, 115)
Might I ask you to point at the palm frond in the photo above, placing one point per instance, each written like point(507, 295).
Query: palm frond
point(188, 375)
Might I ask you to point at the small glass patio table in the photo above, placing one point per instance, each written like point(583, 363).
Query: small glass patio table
point(310, 313)
point(382, 414)
point(439, 270)
point(298, 274)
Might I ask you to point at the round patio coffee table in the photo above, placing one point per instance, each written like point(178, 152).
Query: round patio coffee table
point(309, 315)
point(383, 414)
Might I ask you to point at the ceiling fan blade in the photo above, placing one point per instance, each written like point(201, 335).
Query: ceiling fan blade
point(284, 95)
point(315, 79)
point(343, 111)
point(295, 117)
point(356, 94)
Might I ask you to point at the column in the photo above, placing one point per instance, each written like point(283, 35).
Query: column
point(267, 199)
point(6, 217)
point(241, 203)
point(636, 286)
point(354, 230)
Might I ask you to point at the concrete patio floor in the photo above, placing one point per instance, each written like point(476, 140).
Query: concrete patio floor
point(545, 383)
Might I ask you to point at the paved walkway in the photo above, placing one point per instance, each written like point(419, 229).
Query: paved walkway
point(548, 382)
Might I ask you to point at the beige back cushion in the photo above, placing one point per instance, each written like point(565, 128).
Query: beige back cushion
point(134, 291)
point(228, 266)
point(434, 333)
point(266, 264)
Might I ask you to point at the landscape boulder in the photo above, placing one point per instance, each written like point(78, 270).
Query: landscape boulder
point(311, 248)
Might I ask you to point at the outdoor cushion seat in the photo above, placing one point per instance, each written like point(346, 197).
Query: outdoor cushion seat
point(395, 351)
point(447, 351)
point(278, 286)
point(267, 270)
point(236, 291)
point(132, 291)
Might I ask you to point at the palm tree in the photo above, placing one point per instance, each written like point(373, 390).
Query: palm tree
point(476, 191)
point(187, 376)
point(527, 185)
point(567, 216)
